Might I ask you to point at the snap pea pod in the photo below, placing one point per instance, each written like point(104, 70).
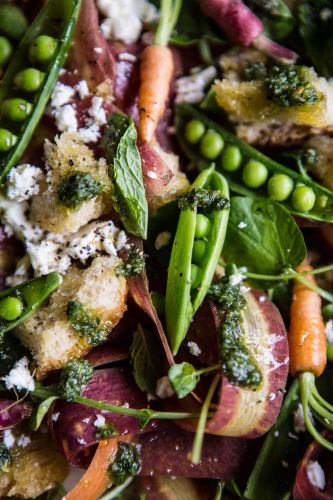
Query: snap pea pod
point(188, 282)
point(248, 171)
point(45, 45)
point(17, 303)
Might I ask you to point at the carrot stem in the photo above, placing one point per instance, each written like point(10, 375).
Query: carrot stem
point(170, 10)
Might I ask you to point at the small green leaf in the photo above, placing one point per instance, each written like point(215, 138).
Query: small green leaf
point(119, 143)
point(40, 412)
point(262, 236)
point(183, 378)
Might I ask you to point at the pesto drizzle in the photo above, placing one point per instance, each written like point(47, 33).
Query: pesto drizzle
point(236, 360)
point(88, 325)
point(134, 264)
point(206, 199)
point(77, 188)
point(5, 458)
point(126, 463)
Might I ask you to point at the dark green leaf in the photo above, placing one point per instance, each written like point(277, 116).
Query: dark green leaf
point(129, 197)
point(270, 242)
point(183, 378)
point(276, 16)
point(146, 355)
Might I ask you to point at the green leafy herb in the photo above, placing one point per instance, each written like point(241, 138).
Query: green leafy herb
point(203, 198)
point(134, 264)
point(5, 458)
point(119, 143)
point(107, 431)
point(184, 377)
point(276, 16)
point(77, 188)
point(77, 374)
point(40, 412)
point(147, 359)
point(125, 464)
point(268, 241)
point(83, 321)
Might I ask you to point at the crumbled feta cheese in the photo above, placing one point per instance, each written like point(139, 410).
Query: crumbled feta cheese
point(14, 215)
point(236, 278)
point(65, 118)
point(284, 464)
point(100, 421)
point(329, 331)
point(55, 416)
point(191, 88)
point(163, 388)
point(126, 56)
point(81, 441)
point(23, 182)
point(47, 256)
point(325, 14)
point(124, 18)
point(194, 348)
point(8, 438)
point(242, 225)
point(262, 298)
point(151, 174)
point(23, 441)
point(276, 434)
point(96, 110)
point(299, 422)
point(98, 50)
point(91, 133)
point(62, 94)
point(20, 376)
point(92, 240)
point(162, 240)
point(82, 89)
point(316, 475)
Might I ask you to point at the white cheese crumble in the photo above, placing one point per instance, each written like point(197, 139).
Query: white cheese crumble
point(151, 174)
point(96, 110)
point(329, 331)
point(236, 278)
point(91, 133)
point(100, 421)
point(98, 50)
point(126, 56)
point(65, 118)
point(62, 94)
point(82, 89)
point(194, 348)
point(55, 416)
point(20, 376)
point(316, 475)
point(23, 182)
point(299, 422)
point(81, 441)
point(8, 438)
point(191, 88)
point(23, 441)
point(125, 18)
point(242, 225)
point(163, 388)
point(162, 240)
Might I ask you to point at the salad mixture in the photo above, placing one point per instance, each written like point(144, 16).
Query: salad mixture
point(166, 279)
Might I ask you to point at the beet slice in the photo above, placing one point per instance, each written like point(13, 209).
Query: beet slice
point(13, 413)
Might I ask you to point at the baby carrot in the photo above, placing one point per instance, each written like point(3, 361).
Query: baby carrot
point(307, 340)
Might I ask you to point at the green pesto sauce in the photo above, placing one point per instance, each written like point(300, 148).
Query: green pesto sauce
point(203, 198)
point(88, 325)
point(77, 188)
point(135, 263)
point(5, 458)
point(77, 373)
point(107, 431)
point(237, 361)
point(126, 463)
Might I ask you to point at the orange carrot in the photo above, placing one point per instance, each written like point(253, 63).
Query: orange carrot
point(307, 340)
point(96, 479)
point(155, 76)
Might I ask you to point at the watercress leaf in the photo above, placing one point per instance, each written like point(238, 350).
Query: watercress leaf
point(146, 355)
point(128, 195)
point(262, 236)
point(40, 412)
point(317, 33)
point(183, 378)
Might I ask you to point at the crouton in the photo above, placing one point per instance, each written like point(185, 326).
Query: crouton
point(48, 332)
point(36, 466)
point(63, 158)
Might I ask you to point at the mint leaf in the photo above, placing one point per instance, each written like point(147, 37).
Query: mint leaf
point(183, 378)
point(146, 358)
point(129, 198)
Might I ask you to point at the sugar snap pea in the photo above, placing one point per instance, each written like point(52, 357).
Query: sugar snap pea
point(55, 21)
point(250, 172)
point(17, 303)
point(204, 211)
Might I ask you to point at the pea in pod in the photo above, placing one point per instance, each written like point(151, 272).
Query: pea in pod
point(46, 44)
point(17, 303)
point(188, 282)
point(248, 171)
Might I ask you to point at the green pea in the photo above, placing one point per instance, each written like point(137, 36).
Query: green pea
point(321, 201)
point(16, 109)
point(211, 145)
point(303, 198)
point(231, 158)
point(29, 80)
point(254, 174)
point(202, 226)
point(196, 276)
point(7, 140)
point(158, 300)
point(13, 22)
point(6, 50)
point(330, 352)
point(11, 308)
point(199, 251)
point(280, 187)
point(194, 130)
point(327, 312)
point(42, 49)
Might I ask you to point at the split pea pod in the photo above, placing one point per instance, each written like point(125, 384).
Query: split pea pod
point(17, 303)
point(196, 249)
point(31, 75)
point(248, 171)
